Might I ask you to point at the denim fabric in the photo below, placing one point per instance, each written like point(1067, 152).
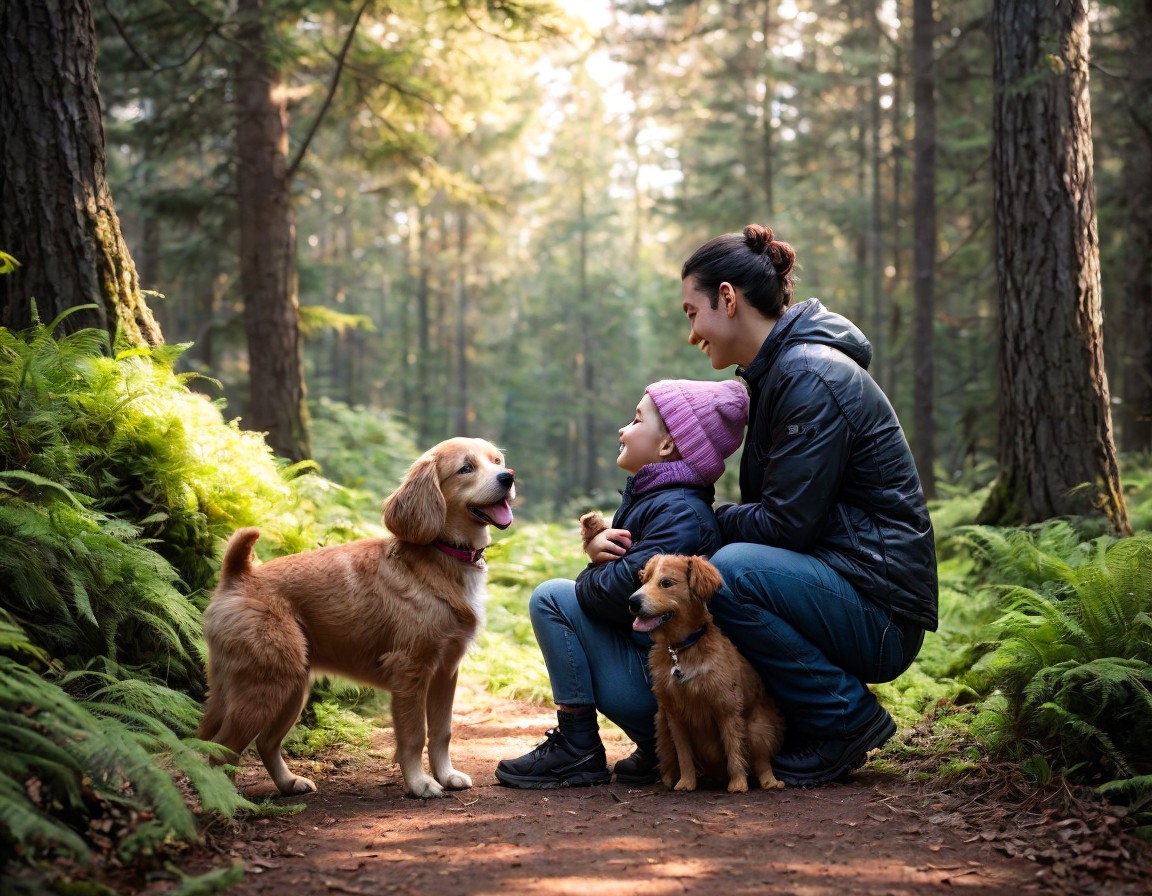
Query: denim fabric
point(812, 638)
point(590, 663)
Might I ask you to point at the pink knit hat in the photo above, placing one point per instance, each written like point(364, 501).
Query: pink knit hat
point(706, 420)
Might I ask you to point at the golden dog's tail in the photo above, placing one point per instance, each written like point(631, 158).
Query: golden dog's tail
point(238, 555)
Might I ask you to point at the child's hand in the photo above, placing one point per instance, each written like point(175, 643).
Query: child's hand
point(610, 544)
point(602, 544)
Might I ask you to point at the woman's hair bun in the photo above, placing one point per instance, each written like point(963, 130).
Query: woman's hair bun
point(762, 241)
point(758, 238)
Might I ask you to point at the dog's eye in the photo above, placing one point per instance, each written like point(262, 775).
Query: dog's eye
point(466, 469)
point(667, 583)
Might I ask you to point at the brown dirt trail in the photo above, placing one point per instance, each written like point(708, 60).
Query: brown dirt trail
point(880, 833)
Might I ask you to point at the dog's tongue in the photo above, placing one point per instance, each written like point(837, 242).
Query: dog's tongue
point(500, 514)
point(645, 625)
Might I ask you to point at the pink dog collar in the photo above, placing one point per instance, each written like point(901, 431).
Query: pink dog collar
point(465, 555)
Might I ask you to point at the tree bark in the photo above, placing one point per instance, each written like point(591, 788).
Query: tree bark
point(1056, 451)
point(268, 276)
point(924, 249)
point(58, 219)
point(1136, 385)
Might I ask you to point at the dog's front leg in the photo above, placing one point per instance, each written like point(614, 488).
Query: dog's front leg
point(441, 693)
point(666, 751)
point(682, 740)
point(408, 721)
point(733, 737)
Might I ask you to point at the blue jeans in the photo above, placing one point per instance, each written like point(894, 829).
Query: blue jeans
point(812, 638)
point(590, 663)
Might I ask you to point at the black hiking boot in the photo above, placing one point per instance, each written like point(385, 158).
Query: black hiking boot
point(639, 769)
point(555, 763)
point(824, 761)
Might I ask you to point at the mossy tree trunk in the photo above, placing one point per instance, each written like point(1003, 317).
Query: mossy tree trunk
point(1057, 454)
point(57, 217)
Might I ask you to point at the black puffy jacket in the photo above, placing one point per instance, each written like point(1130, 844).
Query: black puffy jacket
point(826, 469)
point(674, 519)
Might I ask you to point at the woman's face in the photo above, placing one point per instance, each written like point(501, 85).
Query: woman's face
point(712, 329)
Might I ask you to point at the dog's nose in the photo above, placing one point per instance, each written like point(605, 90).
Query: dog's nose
point(506, 478)
point(636, 603)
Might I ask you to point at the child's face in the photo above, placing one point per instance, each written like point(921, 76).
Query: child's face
point(644, 440)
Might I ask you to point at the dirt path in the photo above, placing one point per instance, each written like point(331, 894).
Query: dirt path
point(878, 834)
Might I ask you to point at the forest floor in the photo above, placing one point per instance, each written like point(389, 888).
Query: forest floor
point(882, 832)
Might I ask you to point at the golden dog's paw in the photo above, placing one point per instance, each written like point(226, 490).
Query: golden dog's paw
point(297, 785)
point(425, 788)
point(455, 780)
point(769, 781)
point(686, 784)
point(738, 785)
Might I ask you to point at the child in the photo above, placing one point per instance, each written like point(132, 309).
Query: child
point(675, 449)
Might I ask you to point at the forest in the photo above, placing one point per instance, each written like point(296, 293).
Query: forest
point(257, 255)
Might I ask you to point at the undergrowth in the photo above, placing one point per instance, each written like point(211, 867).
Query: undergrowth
point(118, 486)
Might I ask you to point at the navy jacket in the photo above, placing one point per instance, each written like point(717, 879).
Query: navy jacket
point(826, 469)
point(675, 519)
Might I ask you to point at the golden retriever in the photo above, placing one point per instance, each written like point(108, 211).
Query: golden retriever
point(397, 613)
point(714, 715)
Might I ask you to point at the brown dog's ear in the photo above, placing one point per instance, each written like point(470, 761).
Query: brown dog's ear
point(416, 511)
point(703, 578)
point(646, 570)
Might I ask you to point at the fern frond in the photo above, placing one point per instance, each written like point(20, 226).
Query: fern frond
point(25, 825)
point(1072, 658)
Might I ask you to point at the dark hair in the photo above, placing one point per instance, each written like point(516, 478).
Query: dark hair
point(755, 262)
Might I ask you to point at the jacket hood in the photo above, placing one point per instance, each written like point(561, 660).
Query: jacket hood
point(809, 321)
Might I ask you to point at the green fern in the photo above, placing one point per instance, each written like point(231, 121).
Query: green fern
point(1071, 655)
point(69, 762)
point(117, 487)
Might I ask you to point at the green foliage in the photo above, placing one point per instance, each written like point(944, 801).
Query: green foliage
point(326, 724)
point(117, 486)
point(68, 767)
point(1067, 670)
point(361, 447)
point(507, 657)
point(127, 438)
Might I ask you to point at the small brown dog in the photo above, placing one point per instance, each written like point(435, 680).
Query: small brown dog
point(715, 717)
point(397, 613)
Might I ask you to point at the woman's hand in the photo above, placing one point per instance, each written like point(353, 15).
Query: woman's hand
point(610, 544)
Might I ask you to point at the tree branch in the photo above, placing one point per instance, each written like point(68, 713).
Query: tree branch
point(333, 84)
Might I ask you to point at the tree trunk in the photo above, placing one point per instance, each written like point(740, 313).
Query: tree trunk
point(268, 246)
point(878, 299)
point(422, 362)
point(588, 440)
point(924, 249)
point(463, 414)
point(1136, 408)
point(1056, 454)
point(58, 219)
point(767, 129)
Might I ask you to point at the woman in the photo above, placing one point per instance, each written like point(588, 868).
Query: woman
point(828, 560)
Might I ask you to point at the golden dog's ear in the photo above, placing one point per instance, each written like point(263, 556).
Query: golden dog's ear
point(703, 578)
point(646, 570)
point(416, 511)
